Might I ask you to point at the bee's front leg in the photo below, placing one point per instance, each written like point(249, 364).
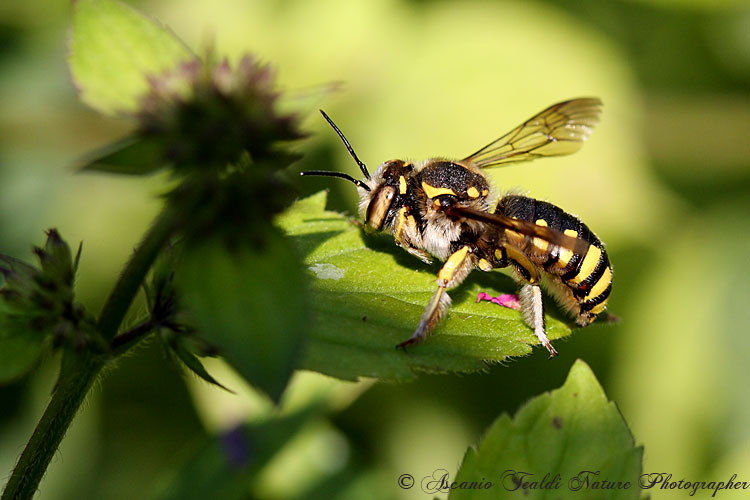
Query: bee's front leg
point(403, 234)
point(453, 272)
point(420, 254)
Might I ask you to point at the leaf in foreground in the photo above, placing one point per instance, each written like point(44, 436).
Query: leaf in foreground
point(573, 431)
point(368, 295)
point(251, 304)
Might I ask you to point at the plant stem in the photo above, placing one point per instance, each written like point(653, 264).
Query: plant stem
point(123, 341)
point(77, 377)
point(135, 271)
point(67, 397)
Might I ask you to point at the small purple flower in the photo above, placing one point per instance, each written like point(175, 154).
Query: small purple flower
point(504, 299)
point(235, 447)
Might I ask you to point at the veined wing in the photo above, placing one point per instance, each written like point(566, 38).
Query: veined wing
point(558, 130)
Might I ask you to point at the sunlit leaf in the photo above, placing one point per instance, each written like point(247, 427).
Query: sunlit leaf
point(369, 295)
point(114, 49)
point(563, 444)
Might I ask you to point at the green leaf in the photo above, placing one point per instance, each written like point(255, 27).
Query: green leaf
point(250, 303)
point(130, 156)
point(369, 295)
point(19, 352)
point(114, 49)
point(571, 437)
point(192, 362)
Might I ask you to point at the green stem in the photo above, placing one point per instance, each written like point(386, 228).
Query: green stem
point(70, 392)
point(77, 376)
point(135, 271)
point(125, 340)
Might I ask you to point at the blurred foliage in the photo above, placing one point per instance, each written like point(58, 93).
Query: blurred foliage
point(217, 127)
point(226, 465)
point(135, 48)
point(37, 308)
point(232, 298)
point(662, 181)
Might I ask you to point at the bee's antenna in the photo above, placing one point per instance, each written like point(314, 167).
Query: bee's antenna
point(349, 148)
point(327, 173)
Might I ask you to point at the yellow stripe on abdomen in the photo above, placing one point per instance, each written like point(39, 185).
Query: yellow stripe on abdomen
point(599, 308)
point(539, 243)
point(593, 256)
point(565, 255)
point(600, 286)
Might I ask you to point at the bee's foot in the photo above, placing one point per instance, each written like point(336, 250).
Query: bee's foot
point(414, 339)
point(551, 349)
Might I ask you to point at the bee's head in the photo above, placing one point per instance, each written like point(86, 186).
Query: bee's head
point(378, 192)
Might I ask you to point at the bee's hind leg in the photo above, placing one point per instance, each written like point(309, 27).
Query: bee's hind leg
point(532, 308)
point(530, 296)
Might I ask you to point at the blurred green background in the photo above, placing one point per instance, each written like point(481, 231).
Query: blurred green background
point(664, 180)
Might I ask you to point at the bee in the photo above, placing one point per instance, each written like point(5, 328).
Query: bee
point(440, 208)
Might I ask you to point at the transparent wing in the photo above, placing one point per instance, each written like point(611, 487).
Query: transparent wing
point(553, 236)
point(558, 130)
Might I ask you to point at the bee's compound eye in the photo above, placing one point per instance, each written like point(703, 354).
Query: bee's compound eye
point(447, 201)
point(379, 206)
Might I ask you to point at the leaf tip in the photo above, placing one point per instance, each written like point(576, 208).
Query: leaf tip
point(581, 369)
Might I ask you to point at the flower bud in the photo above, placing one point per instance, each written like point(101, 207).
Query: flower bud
point(40, 301)
point(56, 259)
point(207, 115)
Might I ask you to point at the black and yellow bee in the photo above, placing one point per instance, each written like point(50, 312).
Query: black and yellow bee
point(441, 208)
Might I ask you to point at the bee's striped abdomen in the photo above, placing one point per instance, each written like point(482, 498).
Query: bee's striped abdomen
point(587, 276)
